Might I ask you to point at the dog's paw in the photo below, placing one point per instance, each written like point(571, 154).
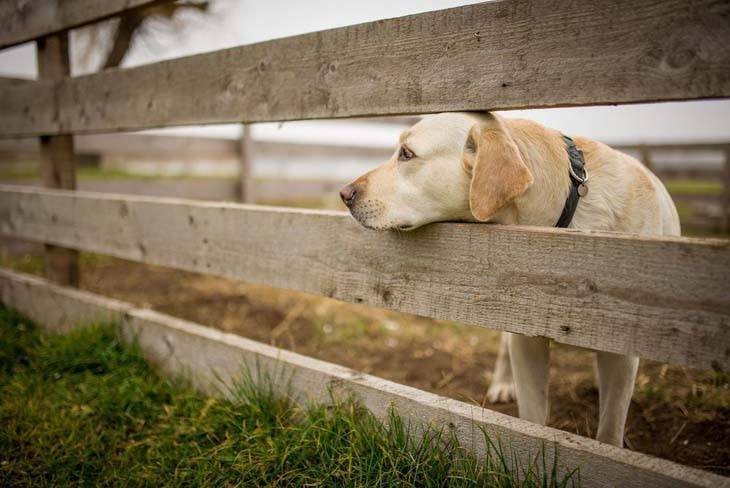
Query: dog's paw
point(501, 392)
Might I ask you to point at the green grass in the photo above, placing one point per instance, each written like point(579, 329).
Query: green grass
point(26, 263)
point(83, 409)
point(91, 173)
point(21, 172)
point(694, 187)
point(34, 263)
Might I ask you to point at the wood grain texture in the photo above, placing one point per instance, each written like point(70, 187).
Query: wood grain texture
point(157, 147)
point(26, 20)
point(676, 146)
point(165, 147)
point(55, 308)
point(58, 161)
point(495, 55)
point(213, 360)
point(245, 165)
point(664, 299)
point(7, 81)
point(208, 189)
point(726, 191)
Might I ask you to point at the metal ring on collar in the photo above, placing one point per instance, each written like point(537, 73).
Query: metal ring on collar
point(578, 178)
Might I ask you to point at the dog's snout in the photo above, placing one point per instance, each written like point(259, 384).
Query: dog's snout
point(348, 194)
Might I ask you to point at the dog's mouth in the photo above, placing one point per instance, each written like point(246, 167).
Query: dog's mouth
point(385, 225)
point(405, 227)
point(371, 215)
point(399, 228)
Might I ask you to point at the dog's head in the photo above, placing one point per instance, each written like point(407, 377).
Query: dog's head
point(450, 166)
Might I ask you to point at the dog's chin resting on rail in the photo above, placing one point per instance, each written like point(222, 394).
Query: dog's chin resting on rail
point(482, 167)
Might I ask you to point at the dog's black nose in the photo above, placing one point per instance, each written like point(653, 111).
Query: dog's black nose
point(348, 194)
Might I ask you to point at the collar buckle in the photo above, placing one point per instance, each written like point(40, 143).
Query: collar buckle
point(577, 178)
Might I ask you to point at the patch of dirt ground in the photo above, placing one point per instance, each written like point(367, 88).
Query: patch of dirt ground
point(677, 414)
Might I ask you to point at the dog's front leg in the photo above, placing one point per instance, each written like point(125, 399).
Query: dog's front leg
point(502, 387)
point(530, 361)
point(616, 377)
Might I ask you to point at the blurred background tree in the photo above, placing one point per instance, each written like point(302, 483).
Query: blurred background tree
point(105, 45)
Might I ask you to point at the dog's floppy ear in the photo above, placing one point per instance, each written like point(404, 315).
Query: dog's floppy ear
point(498, 173)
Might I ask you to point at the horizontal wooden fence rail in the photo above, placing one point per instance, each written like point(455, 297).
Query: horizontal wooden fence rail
point(665, 299)
point(27, 20)
point(176, 147)
point(166, 147)
point(494, 55)
point(212, 360)
point(6, 81)
point(278, 191)
point(673, 147)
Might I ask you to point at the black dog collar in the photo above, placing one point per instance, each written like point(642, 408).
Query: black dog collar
point(578, 179)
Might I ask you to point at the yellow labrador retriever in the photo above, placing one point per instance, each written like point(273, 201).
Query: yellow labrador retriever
point(486, 168)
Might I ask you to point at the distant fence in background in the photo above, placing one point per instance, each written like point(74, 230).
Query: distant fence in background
point(703, 206)
point(661, 298)
point(701, 189)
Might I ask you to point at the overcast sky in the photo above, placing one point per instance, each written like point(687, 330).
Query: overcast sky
point(237, 22)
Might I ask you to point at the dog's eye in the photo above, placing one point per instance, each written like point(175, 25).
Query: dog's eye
point(405, 154)
point(470, 145)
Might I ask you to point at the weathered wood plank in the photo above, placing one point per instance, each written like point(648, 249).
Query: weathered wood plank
point(495, 55)
point(30, 106)
point(26, 20)
point(213, 360)
point(676, 146)
point(665, 299)
point(165, 147)
point(208, 189)
point(55, 308)
point(260, 190)
point(58, 162)
point(245, 165)
point(726, 191)
point(162, 147)
point(7, 81)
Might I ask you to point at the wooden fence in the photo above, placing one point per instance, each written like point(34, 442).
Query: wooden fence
point(708, 211)
point(705, 211)
point(661, 298)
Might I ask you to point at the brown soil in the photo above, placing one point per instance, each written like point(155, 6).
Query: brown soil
point(676, 414)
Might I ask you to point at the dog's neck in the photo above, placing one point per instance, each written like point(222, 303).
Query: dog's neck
point(546, 157)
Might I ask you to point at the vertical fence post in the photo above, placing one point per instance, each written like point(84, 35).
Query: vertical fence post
point(726, 192)
point(244, 165)
point(58, 166)
point(646, 157)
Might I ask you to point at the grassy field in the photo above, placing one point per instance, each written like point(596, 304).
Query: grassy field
point(84, 409)
point(93, 173)
point(694, 187)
